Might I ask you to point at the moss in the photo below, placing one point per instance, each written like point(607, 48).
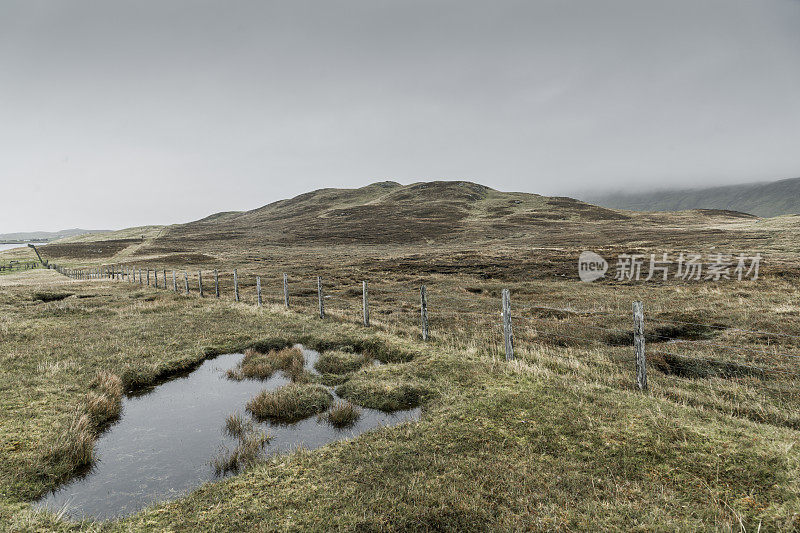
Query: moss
point(290, 403)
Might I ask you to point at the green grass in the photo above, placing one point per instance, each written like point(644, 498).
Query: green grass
point(290, 403)
point(385, 394)
point(342, 415)
point(339, 362)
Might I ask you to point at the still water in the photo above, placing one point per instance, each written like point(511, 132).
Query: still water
point(163, 443)
point(4, 246)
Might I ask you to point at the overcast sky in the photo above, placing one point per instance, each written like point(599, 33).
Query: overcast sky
point(115, 114)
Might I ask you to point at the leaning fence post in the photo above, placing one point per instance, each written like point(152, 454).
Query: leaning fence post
point(174, 282)
point(508, 333)
point(423, 307)
point(638, 345)
point(235, 285)
point(320, 298)
point(365, 303)
point(286, 290)
point(258, 289)
point(216, 282)
point(200, 281)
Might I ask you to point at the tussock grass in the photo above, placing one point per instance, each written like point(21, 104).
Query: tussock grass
point(342, 414)
point(384, 394)
point(248, 451)
point(74, 447)
point(259, 365)
point(50, 296)
point(104, 401)
point(339, 362)
point(290, 403)
point(236, 426)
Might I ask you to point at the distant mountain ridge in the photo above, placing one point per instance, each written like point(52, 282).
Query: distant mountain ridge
point(761, 199)
point(46, 235)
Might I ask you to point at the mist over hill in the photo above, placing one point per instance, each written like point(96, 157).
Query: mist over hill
point(761, 199)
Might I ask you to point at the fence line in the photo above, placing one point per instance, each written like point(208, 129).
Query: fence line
point(497, 313)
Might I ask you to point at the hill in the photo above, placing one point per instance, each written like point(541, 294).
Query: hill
point(760, 199)
point(45, 235)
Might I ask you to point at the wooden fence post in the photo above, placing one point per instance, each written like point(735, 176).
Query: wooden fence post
point(200, 281)
point(638, 345)
point(174, 282)
point(235, 285)
point(164, 272)
point(258, 289)
point(155, 278)
point(286, 290)
point(186, 281)
point(216, 282)
point(365, 303)
point(320, 298)
point(508, 333)
point(423, 307)
point(140, 277)
point(148, 277)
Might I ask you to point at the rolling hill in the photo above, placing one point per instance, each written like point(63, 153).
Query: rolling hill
point(760, 199)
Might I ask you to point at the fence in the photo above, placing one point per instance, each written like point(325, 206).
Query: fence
point(683, 348)
point(18, 265)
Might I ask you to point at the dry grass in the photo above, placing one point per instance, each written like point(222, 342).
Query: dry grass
point(258, 365)
point(290, 403)
point(236, 426)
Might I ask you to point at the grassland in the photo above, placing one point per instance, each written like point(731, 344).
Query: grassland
point(557, 439)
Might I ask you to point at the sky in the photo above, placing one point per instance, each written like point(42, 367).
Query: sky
point(116, 114)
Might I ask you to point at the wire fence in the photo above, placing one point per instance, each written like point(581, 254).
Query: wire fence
point(674, 346)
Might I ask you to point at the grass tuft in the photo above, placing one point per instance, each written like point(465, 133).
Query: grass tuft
point(236, 426)
point(247, 453)
point(49, 296)
point(342, 414)
point(290, 403)
point(104, 401)
point(75, 446)
point(258, 365)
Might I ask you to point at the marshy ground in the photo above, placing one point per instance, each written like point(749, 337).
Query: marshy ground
point(556, 439)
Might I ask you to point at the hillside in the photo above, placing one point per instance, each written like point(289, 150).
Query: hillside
point(760, 199)
point(390, 213)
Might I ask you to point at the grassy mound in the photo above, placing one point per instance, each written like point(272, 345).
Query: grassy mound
point(383, 394)
point(258, 365)
point(290, 403)
point(338, 362)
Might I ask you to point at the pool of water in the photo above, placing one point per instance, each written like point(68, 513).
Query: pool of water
point(163, 443)
point(6, 246)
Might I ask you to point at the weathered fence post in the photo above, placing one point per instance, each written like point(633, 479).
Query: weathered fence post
point(155, 278)
point(148, 277)
point(423, 308)
point(365, 303)
point(258, 289)
point(286, 290)
point(508, 333)
point(235, 285)
point(200, 281)
point(174, 282)
point(638, 345)
point(165, 279)
point(186, 281)
point(320, 298)
point(216, 282)
point(140, 277)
